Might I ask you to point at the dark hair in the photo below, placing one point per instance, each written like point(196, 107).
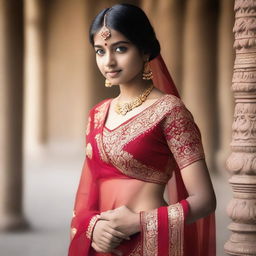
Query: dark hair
point(133, 23)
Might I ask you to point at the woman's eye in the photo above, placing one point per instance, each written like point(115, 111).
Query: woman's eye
point(99, 52)
point(121, 49)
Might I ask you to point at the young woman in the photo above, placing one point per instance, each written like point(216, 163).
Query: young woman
point(138, 146)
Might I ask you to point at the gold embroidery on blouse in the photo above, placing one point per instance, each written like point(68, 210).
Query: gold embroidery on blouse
point(176, 229)
point(89, 150)
point(183, 137)
point(147, 119)
point(150, 233)
point(88, 128)
point(99, 115)
point(91, 225)
point(103, 156)
point(115, 141)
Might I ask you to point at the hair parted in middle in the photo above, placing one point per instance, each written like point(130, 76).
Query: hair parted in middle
point(130, 21)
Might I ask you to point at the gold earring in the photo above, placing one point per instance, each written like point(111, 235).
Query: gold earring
point(107, 83)
point(147, 72)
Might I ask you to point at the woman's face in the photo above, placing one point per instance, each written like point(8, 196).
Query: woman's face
point(118, 59)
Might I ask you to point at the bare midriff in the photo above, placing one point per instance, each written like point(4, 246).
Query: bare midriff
point(137, 195)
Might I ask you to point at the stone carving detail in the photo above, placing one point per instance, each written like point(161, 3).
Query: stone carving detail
point(244, 80)
point(242, 161)
point(242, 211)
point(244, 125)
point(244, 5)
point(243, 76)
point(245, 24)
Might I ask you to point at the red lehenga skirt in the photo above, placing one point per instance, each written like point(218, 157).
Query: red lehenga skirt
point(152, 146)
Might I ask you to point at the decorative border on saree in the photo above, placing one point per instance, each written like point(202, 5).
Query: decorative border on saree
point(137, 251)
point(176, 229)
point(99, 114)
point(149, 226)
point(103, 156)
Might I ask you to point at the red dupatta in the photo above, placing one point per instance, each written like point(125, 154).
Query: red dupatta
point(199, 237)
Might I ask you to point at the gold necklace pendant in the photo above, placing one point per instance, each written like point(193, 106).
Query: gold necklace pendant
point(123, 109)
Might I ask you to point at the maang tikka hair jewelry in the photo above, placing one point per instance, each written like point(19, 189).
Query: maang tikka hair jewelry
point(105, 34)
point(105, 31)
point(147, 73)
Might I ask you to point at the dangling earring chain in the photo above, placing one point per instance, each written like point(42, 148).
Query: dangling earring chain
point(147, 72)
point(107, 83)
point(122, 109)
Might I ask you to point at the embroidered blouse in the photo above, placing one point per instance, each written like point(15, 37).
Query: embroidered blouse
point(149, 145)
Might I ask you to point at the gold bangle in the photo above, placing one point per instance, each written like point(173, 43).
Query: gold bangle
point(91, 226)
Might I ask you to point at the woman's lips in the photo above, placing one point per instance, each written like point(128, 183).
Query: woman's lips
point(113, 74)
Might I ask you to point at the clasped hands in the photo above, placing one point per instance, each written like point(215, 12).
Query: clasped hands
point(113, 227)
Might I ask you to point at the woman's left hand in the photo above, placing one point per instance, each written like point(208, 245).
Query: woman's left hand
point(123, 220)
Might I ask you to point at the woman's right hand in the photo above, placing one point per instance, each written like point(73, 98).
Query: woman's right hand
point(105, 238)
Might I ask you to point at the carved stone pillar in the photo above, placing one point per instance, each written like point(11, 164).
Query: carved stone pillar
point(11, 108)
point(242, 161)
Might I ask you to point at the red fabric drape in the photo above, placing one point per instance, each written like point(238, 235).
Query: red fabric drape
point(199, 237)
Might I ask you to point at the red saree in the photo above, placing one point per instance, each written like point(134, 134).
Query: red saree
point(150, 147)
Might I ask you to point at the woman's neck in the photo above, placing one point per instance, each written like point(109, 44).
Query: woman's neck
point(132, 90)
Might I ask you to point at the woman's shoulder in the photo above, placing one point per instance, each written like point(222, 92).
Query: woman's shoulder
point(167, 102)
point(171, 107)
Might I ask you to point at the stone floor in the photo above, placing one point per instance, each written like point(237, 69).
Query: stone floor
point(49, 185)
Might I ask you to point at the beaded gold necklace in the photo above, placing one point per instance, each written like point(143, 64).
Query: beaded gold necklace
point(123, 108)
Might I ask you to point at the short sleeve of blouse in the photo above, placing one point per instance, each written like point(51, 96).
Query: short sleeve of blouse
point(183, 136)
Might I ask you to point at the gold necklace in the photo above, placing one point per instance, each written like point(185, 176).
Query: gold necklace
point(123, 108)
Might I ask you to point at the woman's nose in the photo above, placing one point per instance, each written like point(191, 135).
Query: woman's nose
point(110, 60)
